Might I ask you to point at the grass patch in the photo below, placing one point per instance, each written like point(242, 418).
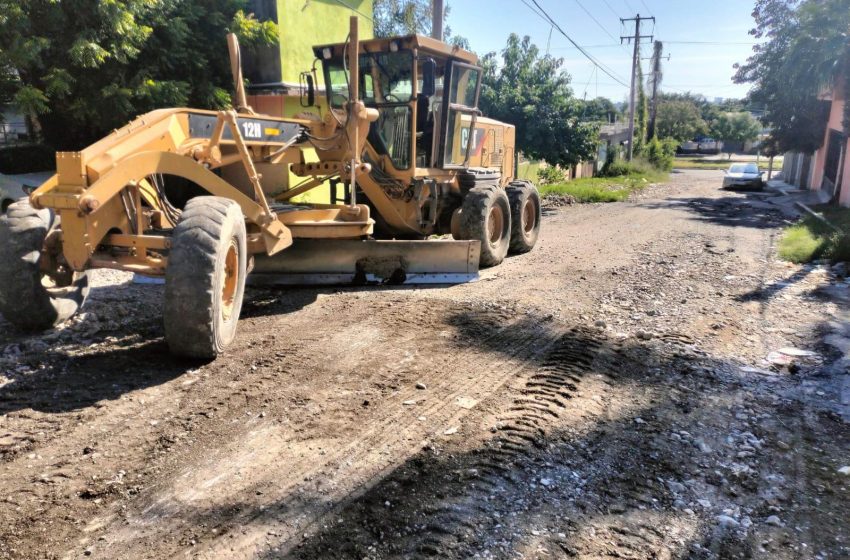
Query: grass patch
point(713, 164)
point(602, 189)
point(811, 239)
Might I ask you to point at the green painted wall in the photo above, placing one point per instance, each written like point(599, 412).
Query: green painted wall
point(304, 23)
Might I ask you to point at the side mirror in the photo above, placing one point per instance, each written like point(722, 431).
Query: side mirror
point(308, 89)
point(429, 71)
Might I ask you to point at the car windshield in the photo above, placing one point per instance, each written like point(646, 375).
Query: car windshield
point(744, 168)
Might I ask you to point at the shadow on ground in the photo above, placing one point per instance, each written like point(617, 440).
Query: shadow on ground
point(734, 211)
point(535, 478)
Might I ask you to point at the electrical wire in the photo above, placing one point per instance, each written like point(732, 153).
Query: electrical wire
point(611, 8)
point(353, 9)
point(647, 7)
point(608, 72)
point(596, 21)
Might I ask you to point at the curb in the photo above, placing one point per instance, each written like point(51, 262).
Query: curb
point(817, 215)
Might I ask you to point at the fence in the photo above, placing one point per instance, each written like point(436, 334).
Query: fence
point(13, 133)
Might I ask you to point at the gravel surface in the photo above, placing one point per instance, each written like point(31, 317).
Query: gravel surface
point(649, 382)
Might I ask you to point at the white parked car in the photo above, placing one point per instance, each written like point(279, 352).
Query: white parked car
point(743, 175)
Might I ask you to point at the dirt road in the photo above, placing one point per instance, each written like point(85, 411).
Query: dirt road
point(606, 395)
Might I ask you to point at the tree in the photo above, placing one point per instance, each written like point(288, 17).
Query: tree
point(407, 17)
point(803, 49)
point(679, 119)
point(735, 128)
point(533, 93)
point(79, 68)
point(600, 109)
point(402, 17)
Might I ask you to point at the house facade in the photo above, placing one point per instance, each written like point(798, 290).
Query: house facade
point(830, 165)
point(828, 169)
point(273, 73)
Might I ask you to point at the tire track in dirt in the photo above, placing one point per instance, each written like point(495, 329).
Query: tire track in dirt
point(291, 498)
point(546, 394)
point(443, 504)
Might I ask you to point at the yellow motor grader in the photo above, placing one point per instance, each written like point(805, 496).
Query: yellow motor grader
point(401, 133)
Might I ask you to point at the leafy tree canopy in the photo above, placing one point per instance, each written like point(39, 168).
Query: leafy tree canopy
point(80, 68)
point(407, 17)
point(600, 109)
point(708, 110)
point(533, 93)
point(679, 118)
point(805, 47)
point(735, 128)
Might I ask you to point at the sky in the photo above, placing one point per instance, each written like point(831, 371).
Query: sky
point(703, 38)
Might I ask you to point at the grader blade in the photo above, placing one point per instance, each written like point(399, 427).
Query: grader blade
point(335, 262)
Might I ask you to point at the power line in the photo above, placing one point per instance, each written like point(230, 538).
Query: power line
point(353, 9)
point(596, 21)
point(628, 6)
point(611, 8)
point(710, 43)
point(647, 7)
point(618, 45)
point(547, 17)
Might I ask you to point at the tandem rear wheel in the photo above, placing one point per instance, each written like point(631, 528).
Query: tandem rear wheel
point(503, 220)
point(205, 277)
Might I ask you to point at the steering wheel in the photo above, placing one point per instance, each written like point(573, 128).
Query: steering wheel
point(392, 98)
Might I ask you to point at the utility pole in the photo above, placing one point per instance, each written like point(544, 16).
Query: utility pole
point(635, 61)
point(656, 85)
point(437, 12)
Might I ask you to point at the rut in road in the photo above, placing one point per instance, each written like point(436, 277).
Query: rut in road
point(442, 505)
point(291, 493)
point(547, 392)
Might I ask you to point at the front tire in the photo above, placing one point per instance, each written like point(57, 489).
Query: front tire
point(485, 216)
point(205, 277)
point(525, 216)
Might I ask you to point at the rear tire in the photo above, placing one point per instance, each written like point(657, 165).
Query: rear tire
point(485, 216)
point(30, 299)
point(525, 216)
point(205, 277)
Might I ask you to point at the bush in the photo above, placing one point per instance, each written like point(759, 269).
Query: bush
point(610, 158)
point(661, 153)
point(622, 168)
point(800, 244)
point(812, 239)
point(839, 248)
point(550, 174)
point(26, 159)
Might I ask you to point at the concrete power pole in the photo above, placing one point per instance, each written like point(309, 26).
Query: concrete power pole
point(437, 12)
point(635, 61)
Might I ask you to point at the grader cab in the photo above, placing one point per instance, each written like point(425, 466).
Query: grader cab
point(401, 137)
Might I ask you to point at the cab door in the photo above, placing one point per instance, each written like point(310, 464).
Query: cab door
point(461, 102)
